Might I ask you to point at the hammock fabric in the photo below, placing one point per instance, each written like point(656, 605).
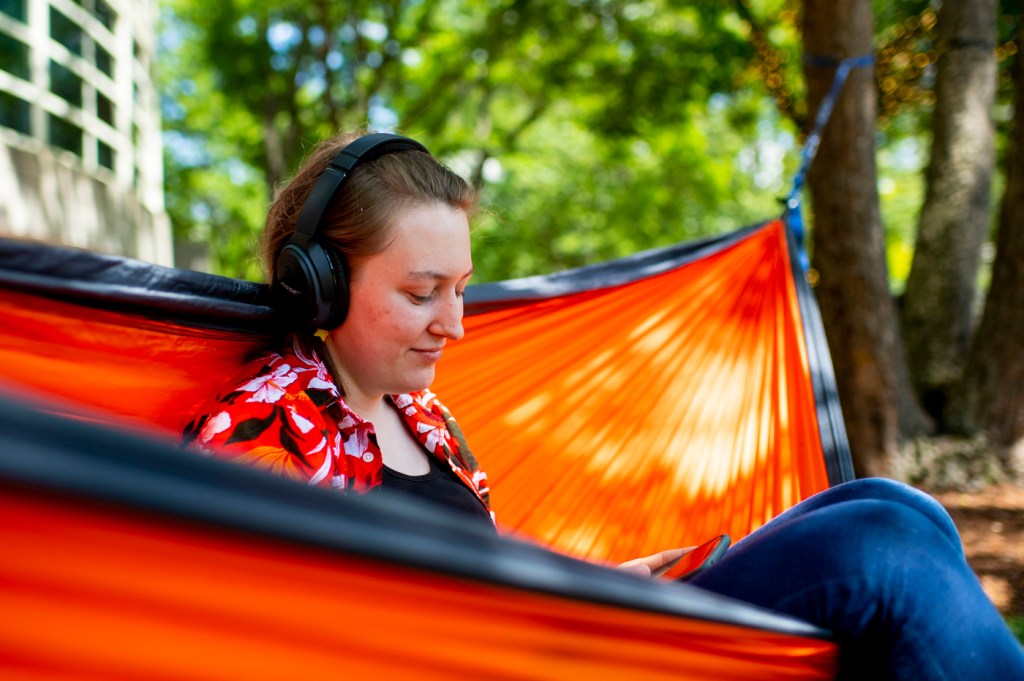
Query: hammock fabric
point(651, 402)
point(619, 410)
point(125, 558)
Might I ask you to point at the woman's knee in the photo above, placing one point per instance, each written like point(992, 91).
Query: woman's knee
point(876, 488)
point(869, 536)
point(895, 492)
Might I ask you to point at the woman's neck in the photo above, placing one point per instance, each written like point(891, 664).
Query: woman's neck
point(368, 407)
point(365, 405)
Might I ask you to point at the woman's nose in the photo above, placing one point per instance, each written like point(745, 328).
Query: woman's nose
point(448, 322)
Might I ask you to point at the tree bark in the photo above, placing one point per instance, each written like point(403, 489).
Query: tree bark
point(938, 306)
point(849, 245)
point(991, 394)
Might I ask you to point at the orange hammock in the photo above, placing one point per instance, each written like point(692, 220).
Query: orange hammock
point(674, 405)
point(619, 410)
point(125, 559)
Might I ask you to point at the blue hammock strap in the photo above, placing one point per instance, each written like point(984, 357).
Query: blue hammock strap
point(792, 214)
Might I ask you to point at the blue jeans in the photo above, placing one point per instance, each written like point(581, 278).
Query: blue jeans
point(880, 565)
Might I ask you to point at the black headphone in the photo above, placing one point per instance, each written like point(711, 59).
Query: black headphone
point(311, 277)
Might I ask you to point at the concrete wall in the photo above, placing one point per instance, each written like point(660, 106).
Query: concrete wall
point(47, 194)
point(80, 145)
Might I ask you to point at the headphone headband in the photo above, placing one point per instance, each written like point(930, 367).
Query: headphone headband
point(311, 278)
point(361, 150)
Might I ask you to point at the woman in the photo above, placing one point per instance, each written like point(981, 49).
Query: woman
point(346, 405)
point(369, 252)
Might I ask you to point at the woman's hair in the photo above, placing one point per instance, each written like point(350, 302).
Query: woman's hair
point(358, 219)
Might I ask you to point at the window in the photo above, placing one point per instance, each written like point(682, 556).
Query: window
point(65, 83)
point(65, 135)
point(104, 154)
point(66, 32)
point(14, 113)
point(14, 8)
point(106, 14)
point(104, 62)
point(104, 108)
point(14, 57)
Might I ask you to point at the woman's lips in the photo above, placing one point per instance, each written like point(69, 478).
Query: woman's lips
point(429, 354)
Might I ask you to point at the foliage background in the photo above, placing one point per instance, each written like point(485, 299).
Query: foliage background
point(594, 129)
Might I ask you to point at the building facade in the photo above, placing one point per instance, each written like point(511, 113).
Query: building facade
point(80, 151)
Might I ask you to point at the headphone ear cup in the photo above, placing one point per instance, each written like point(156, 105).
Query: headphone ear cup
point(323, 298)
point(340, 274)
point(294, 290)
point(305, 289)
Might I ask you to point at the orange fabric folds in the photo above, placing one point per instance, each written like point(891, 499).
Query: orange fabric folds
point(90, 594)
point(619, 422)
point(125, 558)
point(618, 410)
point(115, 366)
point(670, 405)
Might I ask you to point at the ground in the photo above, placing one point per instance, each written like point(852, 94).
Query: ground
point(991, 523)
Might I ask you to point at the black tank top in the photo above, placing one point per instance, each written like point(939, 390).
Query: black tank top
point(439, 487)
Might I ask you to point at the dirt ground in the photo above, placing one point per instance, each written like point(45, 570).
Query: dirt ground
point(991, 523)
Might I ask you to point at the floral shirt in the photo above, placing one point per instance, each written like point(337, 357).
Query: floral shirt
point(284, 413)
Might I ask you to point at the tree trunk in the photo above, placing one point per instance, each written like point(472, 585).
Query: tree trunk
point(955, 218)
point(849, 245)
point(991, 394)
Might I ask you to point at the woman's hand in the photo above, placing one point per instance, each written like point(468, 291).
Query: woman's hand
point(656, 565)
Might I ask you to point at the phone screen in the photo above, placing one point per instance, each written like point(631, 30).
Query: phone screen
point(700, 558)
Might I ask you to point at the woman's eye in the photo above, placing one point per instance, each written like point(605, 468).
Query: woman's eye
point(420, 300)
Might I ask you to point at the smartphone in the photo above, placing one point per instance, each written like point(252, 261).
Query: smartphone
point(696, 561)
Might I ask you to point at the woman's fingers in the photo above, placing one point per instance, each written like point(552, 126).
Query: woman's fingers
point(655, 565)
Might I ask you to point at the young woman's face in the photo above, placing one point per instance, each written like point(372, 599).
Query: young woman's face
point(406, 303)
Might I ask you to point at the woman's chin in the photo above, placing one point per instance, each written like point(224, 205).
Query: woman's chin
point(419, 380)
